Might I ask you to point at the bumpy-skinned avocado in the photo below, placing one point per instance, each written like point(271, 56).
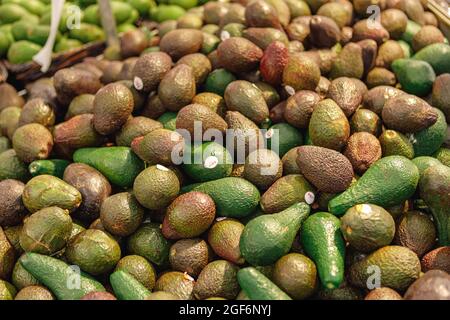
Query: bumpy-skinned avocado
point(37, 111)
point(11, 167)
point(383, 294)
point(139, 268)
point(149, 243)
point(416, 231)
point(12, 211)
point(21, 278)
point(399, 267)
point(217, 279)
point(177, 87)
point(285, 192)
point(84, 103)
point(200, 64)
point(329, 127)
point(135, 127)
point(156, 187)
point(365, 120)
point(299, 108)
point(193, 117)
point(363, 149)
point(438, 258)
point(7, 256)
point(93, 251)
point(10, 97)
point(176, 283)
point(121, 214)
point(180, 42)
point(326, 169)
point(349, 63)
point(9, 121)
point(189, 215)
point(46, 231)
point(431, 286)
point(70, 83)
point(367, 227)
point(263, 167)
point(149, 70)
point(189, 255)
point(32, 142)
point(34, 293)
point(45, 191)
point(301, 73)
point(238, 54)
point(224, 237)
point(396, 143)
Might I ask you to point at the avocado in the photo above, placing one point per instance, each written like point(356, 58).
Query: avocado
point(126, 287)
point(282, 137)
point(427, 141)
point(246, 98)
point(118, 164)
point(268, 237)
point(273, 62)
point(34, 293)
point(431, 286)
point(12, 211)
point(440, 94)
point(32, 142)
point(188, 216)
point(22, 51)
point(415, 76)
point(7, 256)
point(179, 284)
point(256, 286)
point(376, 98)
point(87, 32)
point(289, 161)
point(5, 144)
point(56, 275)
point(363, 149)
point(437, 55)
point(98, 296)
point(189, 255)
point(329, 127)
point(159, 146)
point(11, 167)
point(168, 120)
point(373, 188)
point(427, 35)
point(388, 52)
point(344, 292)
point(83, 178)
point(217, 279)
point(263, 37)
point(94, 251)
point(245, 133)
point(263, 167)
point(9, 121)
point(398, 268)
point(156, 187)
point(234, 197)
point(70, 83)
point(139, 268)
point(438, 258)
point(10, 97)
point(77, 132)
point(177, 87)
point(443, 155)
point(46, 231)
point(299, 108)
point(434, 187)
point(396, 143)
point(37, 111)
point(349, 62)
point(322, 241)
point(218, 80)
point(53, 167)
point(149, 243)
point(416, 231)
point(121, 214)
point(7, 291)
point(212, 100)
point(261, 14)
point(424, 162)
point(200, 65)
point(238, 55)
point(224, 237)
point(301, 73)
point(285, 192)
point(326, 169)
point(181, 42)
point(200, 122)
point(13, 236)
point(367, 227)
point(84, 103)
point(161, 295)
point(150, 69)
point(45, 191)
point(383, 294)
point(347, 93)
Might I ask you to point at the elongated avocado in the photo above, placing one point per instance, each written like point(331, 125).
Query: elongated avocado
point(258, 287)
point(126, 287)
point(64, 282)
point(53, 167)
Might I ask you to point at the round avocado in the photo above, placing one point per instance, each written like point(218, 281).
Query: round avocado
point(34, 293)
point(224, 237)
point(189, 255)
point(139, 268)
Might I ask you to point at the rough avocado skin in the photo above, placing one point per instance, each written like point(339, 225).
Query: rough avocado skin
point(428, 141)
point(12, 210)
point(7, 256)
point(399, 267)
point(126, 287)
point(118, 164)
point(189, 255)
point(11, 167)
point(177, 283)
point(46, 191)
point(268, 237)
point(388, 182)
point(328, 170)
point(234, 197)
point(32, 142)
point(46, 231)
point(322, 241)
point(149, 69)
point(285, 192)
point(56, 274)
point(177, 88)
point(434, 189)
point(258, 287)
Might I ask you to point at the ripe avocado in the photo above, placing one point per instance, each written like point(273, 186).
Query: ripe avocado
point(139, 268)
point(32, 142)
point(12, 210)
point(396, 143)
point(189, 255)
point(224, 237)
point(263, 167)
point(177, 87)
point(176, 283)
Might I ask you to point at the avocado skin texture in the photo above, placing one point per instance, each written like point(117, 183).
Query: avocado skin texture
point(373, 187)
point(399, 267)
point(424, 162)
point(434, 189)
point(53, 167)
point(126, 287)
point(258, 287)
point(415, 76)
point(45, 191)
point(285, 192)
point(234, 197)
point(268, 237)
point(56, 274)
point(323, 242)
point(428, 141)
point(7, 256)
point(437, 55)
point(11, 167)
point(119, 164)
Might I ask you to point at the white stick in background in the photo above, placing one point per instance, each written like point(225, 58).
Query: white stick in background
point(44, 57)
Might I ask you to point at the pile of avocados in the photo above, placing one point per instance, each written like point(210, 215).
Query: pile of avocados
point(250, 150)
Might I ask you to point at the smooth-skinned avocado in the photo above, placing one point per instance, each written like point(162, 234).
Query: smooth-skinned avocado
point(256, 286)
